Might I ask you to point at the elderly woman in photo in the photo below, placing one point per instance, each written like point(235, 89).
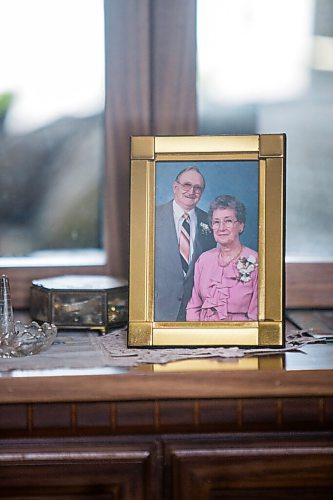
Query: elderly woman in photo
point(226, 277)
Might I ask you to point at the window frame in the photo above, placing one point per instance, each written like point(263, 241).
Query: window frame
point(150, 45)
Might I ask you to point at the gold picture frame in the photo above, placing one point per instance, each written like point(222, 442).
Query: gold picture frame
point(264, 157)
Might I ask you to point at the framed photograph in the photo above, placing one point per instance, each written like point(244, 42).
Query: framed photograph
point(207, 241)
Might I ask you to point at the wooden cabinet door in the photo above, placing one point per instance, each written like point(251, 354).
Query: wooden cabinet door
point(261, 470)
point(73, 471)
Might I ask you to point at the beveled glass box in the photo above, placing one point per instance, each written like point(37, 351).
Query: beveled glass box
point(74, 301)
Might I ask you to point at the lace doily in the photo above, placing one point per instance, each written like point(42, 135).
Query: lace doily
point(114, 345)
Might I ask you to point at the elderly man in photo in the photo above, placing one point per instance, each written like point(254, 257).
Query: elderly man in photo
point(182, 233)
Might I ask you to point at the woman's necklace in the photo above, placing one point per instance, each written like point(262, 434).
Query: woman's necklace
point(231, 259)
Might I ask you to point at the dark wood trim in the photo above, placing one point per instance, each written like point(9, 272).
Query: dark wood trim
point(174, 106)
point(128, 113)
point(309, 285)
point(151, 75)
point(264, 468)
point(87, 469)
point(150, 386)
point(174, 416)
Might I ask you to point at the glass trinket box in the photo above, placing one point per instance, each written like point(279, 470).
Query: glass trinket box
point(74, 301)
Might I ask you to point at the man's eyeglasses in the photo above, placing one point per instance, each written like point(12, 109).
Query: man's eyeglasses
point(187, 186)
point(226, 222)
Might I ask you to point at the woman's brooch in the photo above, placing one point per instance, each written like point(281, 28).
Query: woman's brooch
point(205, 229)
point(246, 266)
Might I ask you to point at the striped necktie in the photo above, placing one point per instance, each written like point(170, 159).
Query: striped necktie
point(184, 242)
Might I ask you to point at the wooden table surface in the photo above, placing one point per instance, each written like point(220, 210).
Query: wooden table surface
point(81, 375)
point(256, 427)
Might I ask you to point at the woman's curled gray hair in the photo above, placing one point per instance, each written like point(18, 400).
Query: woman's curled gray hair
point(227, 201)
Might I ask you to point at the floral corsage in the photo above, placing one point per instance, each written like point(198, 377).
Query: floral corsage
point(205, 229)
point(246, 266)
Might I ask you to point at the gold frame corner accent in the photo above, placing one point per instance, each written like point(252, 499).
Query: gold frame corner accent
point(140, 334)
point(271, 145)
point(142, 147)
point(271, 333)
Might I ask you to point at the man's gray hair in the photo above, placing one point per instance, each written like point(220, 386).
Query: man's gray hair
point(188, 169)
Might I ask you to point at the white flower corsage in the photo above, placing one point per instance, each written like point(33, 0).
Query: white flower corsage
point(205, 229)
point(246, 266)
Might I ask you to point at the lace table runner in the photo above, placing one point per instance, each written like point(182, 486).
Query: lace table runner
point(114, 346)
point(89, 350)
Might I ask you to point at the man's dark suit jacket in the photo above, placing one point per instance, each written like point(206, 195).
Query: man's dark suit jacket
point(172, 289)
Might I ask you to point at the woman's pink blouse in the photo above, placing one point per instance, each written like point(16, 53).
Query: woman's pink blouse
point(218, 294)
